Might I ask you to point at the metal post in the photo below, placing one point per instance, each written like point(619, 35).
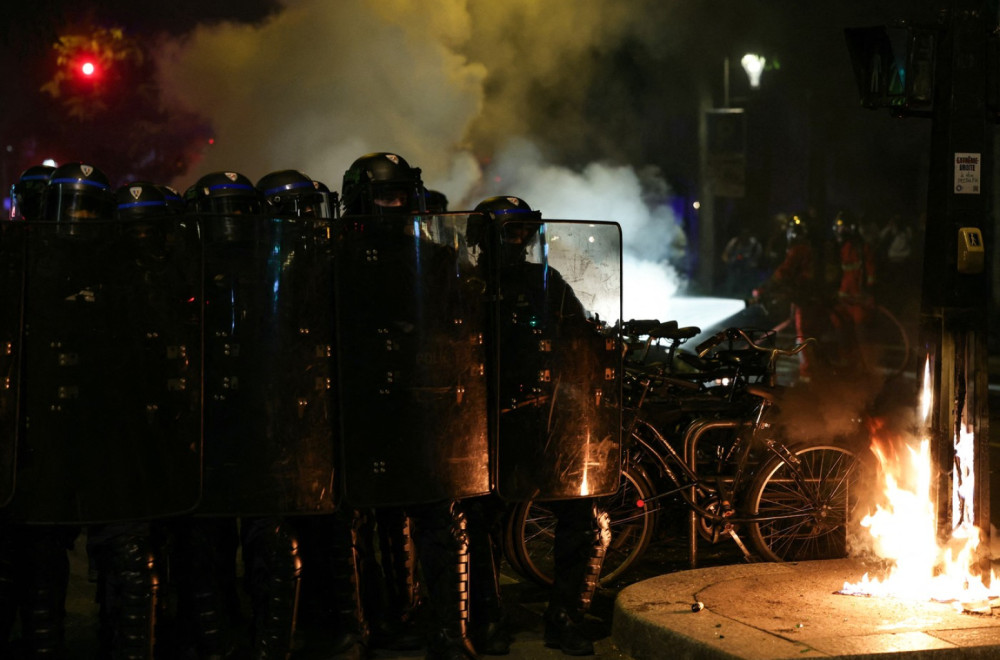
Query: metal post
point(953, 322)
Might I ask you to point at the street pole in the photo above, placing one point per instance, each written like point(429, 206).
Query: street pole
point(953, 318)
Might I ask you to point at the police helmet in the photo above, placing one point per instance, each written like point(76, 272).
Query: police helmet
point(175, 202)
point(26, 195)
point(224, 193)
point(141, 199)
point(382, 183)
point(290, 192)
point(76, 193)
point(435, 201)
point(517, 221)
point(140, 205)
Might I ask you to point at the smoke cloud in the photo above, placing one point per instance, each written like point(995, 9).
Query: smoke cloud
point(485, 97)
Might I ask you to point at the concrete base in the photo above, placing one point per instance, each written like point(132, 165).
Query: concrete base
point(790, 611)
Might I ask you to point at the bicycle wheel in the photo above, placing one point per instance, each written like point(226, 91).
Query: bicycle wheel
point(810, 504)
point(530, 531)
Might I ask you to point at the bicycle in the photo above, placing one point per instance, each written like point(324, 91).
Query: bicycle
point(530, 526)
point(795, 502)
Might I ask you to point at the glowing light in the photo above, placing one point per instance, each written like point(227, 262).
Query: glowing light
point(696, 205)
point(754, 66)
point(88, 69)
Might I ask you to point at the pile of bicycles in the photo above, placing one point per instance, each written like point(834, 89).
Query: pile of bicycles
point(703, 436)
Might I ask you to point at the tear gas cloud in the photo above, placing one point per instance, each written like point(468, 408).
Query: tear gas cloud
point(447, 85)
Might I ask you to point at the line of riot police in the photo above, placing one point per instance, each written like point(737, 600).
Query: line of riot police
point(345, 399)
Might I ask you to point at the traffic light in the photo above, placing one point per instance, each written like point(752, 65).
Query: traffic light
point(894, 66)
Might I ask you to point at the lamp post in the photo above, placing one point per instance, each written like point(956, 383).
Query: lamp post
point(722, 142)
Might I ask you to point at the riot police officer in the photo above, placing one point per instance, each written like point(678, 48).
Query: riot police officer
point(387, 251)
point(123, 553)
point(543, 328)
point(379, 599)
point(34, 564)
point(254, 425)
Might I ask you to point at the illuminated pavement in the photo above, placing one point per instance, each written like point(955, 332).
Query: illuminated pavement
point(789, 610)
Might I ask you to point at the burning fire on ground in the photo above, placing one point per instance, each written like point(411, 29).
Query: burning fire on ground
point(903, 530)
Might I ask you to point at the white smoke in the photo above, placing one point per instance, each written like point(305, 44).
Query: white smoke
point(650, 234)
point(321, 83)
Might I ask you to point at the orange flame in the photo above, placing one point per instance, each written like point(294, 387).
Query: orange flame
point(904, 530)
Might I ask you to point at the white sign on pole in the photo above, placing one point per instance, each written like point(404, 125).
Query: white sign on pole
point(968, 169)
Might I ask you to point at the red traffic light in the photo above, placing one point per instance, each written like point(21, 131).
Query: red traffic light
point(86, 67)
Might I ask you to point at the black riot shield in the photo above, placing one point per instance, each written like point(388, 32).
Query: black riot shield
point(110, 373)
point(556, 359)
point(268, 350)
point(412, 387)
point(12, 235)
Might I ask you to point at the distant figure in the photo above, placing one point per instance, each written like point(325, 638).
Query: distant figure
point(795, 280)
point(894, 255)
point(855, 294)
point(742, 258)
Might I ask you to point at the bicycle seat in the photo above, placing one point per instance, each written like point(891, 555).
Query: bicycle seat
point(646, 327)
point(766, 392)
point(676, 333)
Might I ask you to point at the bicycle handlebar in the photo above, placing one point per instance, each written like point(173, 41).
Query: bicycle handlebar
point(739, 333)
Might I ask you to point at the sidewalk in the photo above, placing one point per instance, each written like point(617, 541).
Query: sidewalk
point(758, 611)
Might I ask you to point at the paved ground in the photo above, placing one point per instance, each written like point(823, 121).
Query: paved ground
point(790, 610)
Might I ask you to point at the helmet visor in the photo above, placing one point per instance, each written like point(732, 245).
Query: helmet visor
point(396, 197)
point(62, 205)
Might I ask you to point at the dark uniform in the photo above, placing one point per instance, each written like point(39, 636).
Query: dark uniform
point(413, 434)
point(267, 406)
point(548, 357)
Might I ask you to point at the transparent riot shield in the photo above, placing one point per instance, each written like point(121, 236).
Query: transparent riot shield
point(412, 386)
point(11, 303)
point(557, 359)
point(110, 372)
point(269, 412)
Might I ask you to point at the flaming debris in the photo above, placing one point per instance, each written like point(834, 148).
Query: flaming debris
point(903, 531)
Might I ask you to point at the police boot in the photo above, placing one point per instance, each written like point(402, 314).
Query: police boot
point(204, 575)
point(44, 610)
point(443, 547)
point(489, 630)
point(9, 571)
point(270, 555)
point(398, 630)
point(129, 601)
point(579, 556)
point(352, 634)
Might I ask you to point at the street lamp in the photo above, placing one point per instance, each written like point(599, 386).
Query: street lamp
point(754, 66)
point(722, 144)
